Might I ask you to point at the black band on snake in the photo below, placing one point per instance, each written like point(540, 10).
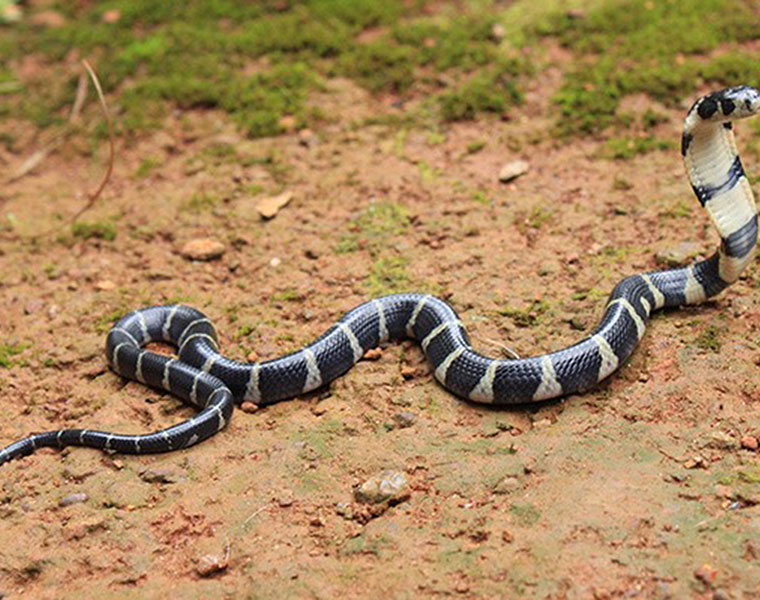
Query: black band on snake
point(213, 383)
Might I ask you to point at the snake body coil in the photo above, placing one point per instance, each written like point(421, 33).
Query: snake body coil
point(213, 383)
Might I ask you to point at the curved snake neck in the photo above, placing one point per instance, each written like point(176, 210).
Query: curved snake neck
point(213, 383)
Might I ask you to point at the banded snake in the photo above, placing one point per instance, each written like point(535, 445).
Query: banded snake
point(204, 378)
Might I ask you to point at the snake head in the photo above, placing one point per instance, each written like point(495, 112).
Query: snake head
point(730, 103)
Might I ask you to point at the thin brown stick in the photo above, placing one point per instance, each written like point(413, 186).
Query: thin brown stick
point(92, 197)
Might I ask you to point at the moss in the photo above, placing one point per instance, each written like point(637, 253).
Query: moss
point(102, 230)
point(709, 339)
point(629, 46)
point(476, 146)
point(374, 227)
point(626, 148)
point(200, 202)
point(529, 316)
point(147, 166)
point(388, 276)
point(258, 61)
point(485, 92)
point(8, 351)
point(526, 515)
point(287, 295)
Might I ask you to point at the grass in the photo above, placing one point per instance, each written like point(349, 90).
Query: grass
point(628, 46)
point(388, 275)
point(626, 147)
point(7, 352)
point(257, 61)
point(375, 227)
point(101, 230)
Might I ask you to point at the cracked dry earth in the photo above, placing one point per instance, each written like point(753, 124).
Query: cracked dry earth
point(644, 487)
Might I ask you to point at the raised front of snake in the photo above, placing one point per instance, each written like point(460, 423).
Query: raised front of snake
point(204, 378)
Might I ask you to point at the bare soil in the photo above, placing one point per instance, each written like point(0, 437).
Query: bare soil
point(639, 488)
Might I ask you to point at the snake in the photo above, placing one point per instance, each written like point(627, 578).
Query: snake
point(214, 384)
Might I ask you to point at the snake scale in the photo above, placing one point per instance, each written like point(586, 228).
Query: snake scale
point(204, 378)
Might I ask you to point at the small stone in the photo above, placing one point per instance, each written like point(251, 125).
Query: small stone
point(285, 498)
point(408, 372)
point(706, 574)
point(53, 311)
point(541, 423)
point(111, 16)
point(513, 170)
point(405, 418)
point(105, 285)
point(75, 498)
point(33, 306)
point(507, 537)
point(210, 564)
point(695, 462)
point(498, 32)
point(722, 441)
point(269, 207)
point(507, 485)
point(252, 356)
point(462, 587)
point(373, 354)
point(389, 486)
point(48, 18)
point(249, 407)
point(203, 249)
point(307, 138)
point(749, 442)
point(275, 262)
point(678, 255)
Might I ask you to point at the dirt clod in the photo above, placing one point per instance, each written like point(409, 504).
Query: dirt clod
point(405, 418)
point(706, 574)
point(210, 564)
point(203, 249)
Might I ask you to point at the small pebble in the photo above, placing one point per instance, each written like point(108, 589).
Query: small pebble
point(203, 249)
point(498, 32)
point(513, 170)
point(275, 262)
point(405, 418)
point(33, 306)
point(210, 564)
point(749, 442)
point(285, 498)
point(105, 285)
point(389, 486)
point(111, 16)
point(706, 574)
point(74, 498)
point(373, 354)
point(269, 207)
point(248, 407)
point(408, 372)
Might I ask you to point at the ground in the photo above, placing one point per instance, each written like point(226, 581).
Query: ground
point(647, 486)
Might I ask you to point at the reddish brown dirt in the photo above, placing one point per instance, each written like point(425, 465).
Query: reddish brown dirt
point(637, 489)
